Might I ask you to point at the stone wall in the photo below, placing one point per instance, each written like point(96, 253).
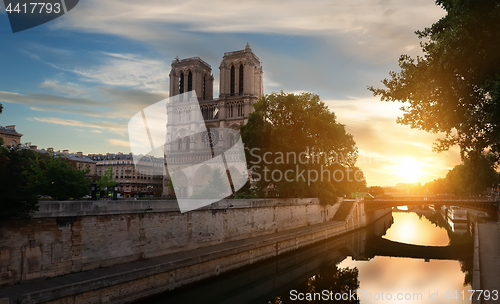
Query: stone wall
point(66, 237)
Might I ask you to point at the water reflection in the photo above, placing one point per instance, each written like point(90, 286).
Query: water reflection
point(348, 263)
point(411, 228)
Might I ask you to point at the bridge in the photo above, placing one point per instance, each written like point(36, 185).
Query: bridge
point(486, 205)
point(378, 246)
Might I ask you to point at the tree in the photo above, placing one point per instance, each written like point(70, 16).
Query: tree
point(294, 145)
point(17, 197)
point(437, 186)
point(472, 177)
point(455, 87)
point(376, 190)
point(106, 181)
point(214, 188)
point(328, 277)
point(53, 176)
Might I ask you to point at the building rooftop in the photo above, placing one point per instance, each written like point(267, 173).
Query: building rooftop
point(9, 130)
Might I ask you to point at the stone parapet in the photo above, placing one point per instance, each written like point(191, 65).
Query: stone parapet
point(131, 206)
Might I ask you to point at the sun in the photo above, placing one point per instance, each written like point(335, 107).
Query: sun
point(410, 169)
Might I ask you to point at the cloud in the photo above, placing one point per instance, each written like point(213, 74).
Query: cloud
point(368, 25)
point(40, 98)
point(119, 142)
point(129, 71)
point(383, 143)
point(68, 88)
point(120, 128)
point(114, 103)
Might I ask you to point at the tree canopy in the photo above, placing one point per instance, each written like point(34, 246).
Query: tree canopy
point(53, 176)
point(106, 180)
point(296, 148)
point(470, 178)
point(454, 88)
point(17, 197)
point(329, 277)
point(215, 186)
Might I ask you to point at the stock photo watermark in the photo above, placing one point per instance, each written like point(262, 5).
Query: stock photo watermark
point(260, 166)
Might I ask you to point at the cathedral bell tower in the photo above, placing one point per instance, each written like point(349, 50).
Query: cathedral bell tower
point(240, 74)
point(191, 74)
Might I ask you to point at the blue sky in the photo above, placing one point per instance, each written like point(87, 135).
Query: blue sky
point(73, 83)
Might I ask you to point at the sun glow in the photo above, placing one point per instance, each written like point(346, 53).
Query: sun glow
point(409, 169)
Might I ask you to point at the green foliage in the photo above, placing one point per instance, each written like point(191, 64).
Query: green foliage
point(106, 181)
point(376, 190)
point(215, 186)
point(53, 176)
point(327, 197)
point(472, 177)
point(455, 87)
point(437, 186)
point(246, 191)
point(329, 277)
point(17, 197)
point(299, 126)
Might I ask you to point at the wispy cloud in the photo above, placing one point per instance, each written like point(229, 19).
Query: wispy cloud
point(120, 128)
point(129, 71)
point(38, 98)
point(119, 142)
point(68, 87)
point(114, 103)
point(371, 25)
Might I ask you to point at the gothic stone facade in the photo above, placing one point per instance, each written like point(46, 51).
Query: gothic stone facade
point(240, 86)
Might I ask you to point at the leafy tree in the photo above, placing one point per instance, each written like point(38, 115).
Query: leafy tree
point(106, 181)
point(298, 134)
point(472, 177)
point(455, 87)
point(329, 277)
point(247, 190)
point(437, 186)
point(376, 190)
point(52, 175)
point(215, 186)
point(17, 197)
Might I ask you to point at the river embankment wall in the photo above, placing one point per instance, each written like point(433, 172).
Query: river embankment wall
point(72, 236)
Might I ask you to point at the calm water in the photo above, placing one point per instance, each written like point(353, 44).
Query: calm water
point(363, 262)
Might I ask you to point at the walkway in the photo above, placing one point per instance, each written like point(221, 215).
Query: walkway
point(489, 257)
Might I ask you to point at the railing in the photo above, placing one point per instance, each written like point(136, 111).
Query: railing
point(432, 199)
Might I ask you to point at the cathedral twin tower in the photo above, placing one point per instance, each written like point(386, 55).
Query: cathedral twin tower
point(240, 86)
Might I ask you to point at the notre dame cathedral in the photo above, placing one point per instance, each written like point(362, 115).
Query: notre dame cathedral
point(240, 86)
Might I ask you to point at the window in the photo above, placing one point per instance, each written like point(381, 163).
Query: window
point(240, 92)
point(181, 83)
point(232, 84)
point(205, 86)
point(188, 143)
point(190, 81)
point(231, 140)
point(179, 145)
point(240, 109)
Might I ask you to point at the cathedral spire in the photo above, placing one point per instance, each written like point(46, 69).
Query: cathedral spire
point(247, 48)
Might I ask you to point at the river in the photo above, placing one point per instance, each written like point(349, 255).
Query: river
point(371, 265)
